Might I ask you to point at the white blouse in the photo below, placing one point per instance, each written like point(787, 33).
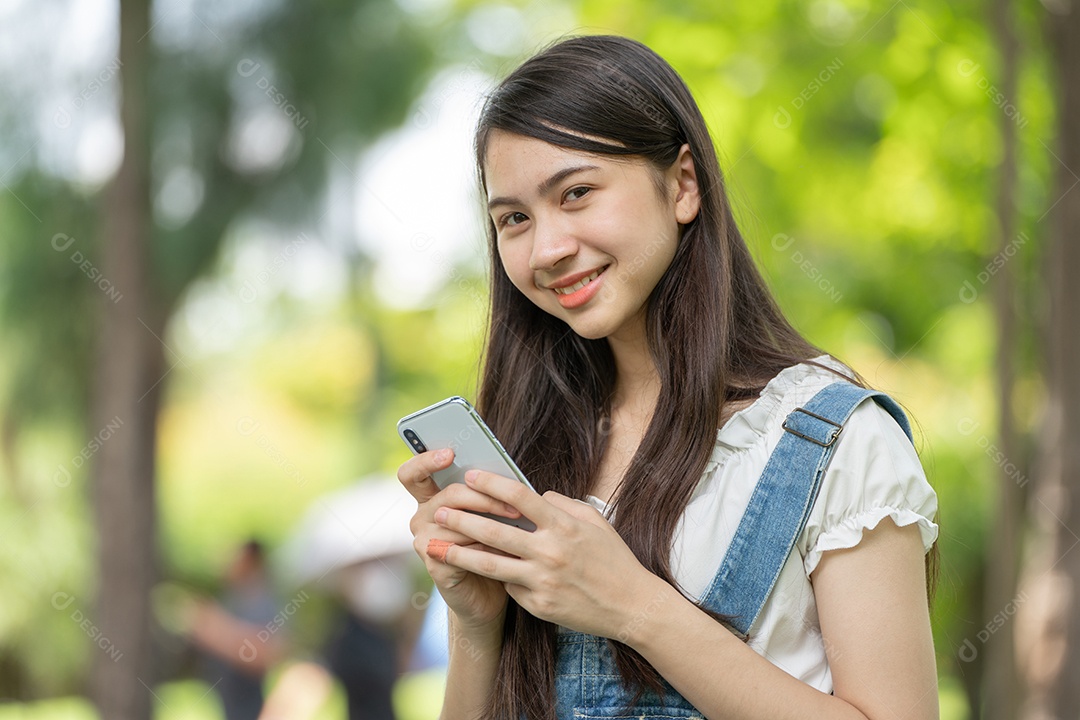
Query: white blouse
point(874, 473)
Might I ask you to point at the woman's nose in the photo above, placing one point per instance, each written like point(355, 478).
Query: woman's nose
point(552, 243)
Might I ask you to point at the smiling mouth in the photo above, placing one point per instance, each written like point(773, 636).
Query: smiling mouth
point(570, 289)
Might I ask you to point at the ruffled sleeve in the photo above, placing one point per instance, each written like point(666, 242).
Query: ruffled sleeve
point(874, 473)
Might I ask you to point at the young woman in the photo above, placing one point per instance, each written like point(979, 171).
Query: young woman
point(730, 524)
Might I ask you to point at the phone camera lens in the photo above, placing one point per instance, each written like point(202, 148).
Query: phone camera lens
point(414, 440)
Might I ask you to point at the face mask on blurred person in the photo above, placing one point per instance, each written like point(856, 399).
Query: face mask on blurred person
point(378, 590)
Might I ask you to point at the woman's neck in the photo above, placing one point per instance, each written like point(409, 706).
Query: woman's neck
point(637, 381)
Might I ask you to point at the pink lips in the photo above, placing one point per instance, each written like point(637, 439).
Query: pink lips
point(582, 295)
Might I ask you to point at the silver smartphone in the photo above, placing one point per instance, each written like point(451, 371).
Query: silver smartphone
point(454, 424)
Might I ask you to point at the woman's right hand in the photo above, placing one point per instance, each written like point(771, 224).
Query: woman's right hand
point(477, 601)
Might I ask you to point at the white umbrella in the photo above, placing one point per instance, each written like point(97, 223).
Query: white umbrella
point(368, 520)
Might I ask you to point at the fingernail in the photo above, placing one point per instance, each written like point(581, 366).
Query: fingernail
point(437, 549)
point(511, 509)
point(440, 515)
point(470, 477)
point(442, 456)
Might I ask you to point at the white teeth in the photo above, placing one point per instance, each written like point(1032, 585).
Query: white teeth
point(578, 285)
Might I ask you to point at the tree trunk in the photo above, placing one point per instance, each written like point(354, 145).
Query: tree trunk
point(129, 371)
point(1053, 664)
point(1000, 688)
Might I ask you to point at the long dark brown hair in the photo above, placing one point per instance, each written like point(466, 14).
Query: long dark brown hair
point(714, 331)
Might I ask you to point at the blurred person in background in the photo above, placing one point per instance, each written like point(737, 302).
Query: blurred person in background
point(353, 548)
point(238, 636)
point(365, 647)
point(373, 629)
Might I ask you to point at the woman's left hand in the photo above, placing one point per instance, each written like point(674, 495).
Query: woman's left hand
point(574, 570)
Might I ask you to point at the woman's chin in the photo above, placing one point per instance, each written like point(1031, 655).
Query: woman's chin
point(591, 330)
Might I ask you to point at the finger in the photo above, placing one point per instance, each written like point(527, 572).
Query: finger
point(421, 540)
point(415, 473)
point(514, 493)
point(577, 508)
point(436, 549)
point(458, 495)
point(487, 564)
point(509, 539)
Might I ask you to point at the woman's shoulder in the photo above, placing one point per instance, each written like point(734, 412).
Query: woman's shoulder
point(874, 470)
point(791, 387)
point(874, 473)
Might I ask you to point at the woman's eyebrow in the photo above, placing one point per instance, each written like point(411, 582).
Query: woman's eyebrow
point(545, 187)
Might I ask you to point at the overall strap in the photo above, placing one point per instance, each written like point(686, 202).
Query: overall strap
point(782, 499)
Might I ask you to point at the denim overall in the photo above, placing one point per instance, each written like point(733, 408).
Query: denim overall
point(587, 682)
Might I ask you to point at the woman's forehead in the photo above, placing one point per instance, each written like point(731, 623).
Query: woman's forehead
point(511, 158)
point(506, 150)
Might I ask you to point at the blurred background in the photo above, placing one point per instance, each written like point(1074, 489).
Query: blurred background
point(239, 240)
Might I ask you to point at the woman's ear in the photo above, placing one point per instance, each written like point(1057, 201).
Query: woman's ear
point(688, 196)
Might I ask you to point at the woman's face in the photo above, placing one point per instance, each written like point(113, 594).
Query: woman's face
point(586, 237)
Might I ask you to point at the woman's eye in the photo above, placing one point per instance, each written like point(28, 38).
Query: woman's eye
point(575, 193)
point(514, 218)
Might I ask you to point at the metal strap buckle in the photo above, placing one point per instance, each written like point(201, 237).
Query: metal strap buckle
point(832, 439)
